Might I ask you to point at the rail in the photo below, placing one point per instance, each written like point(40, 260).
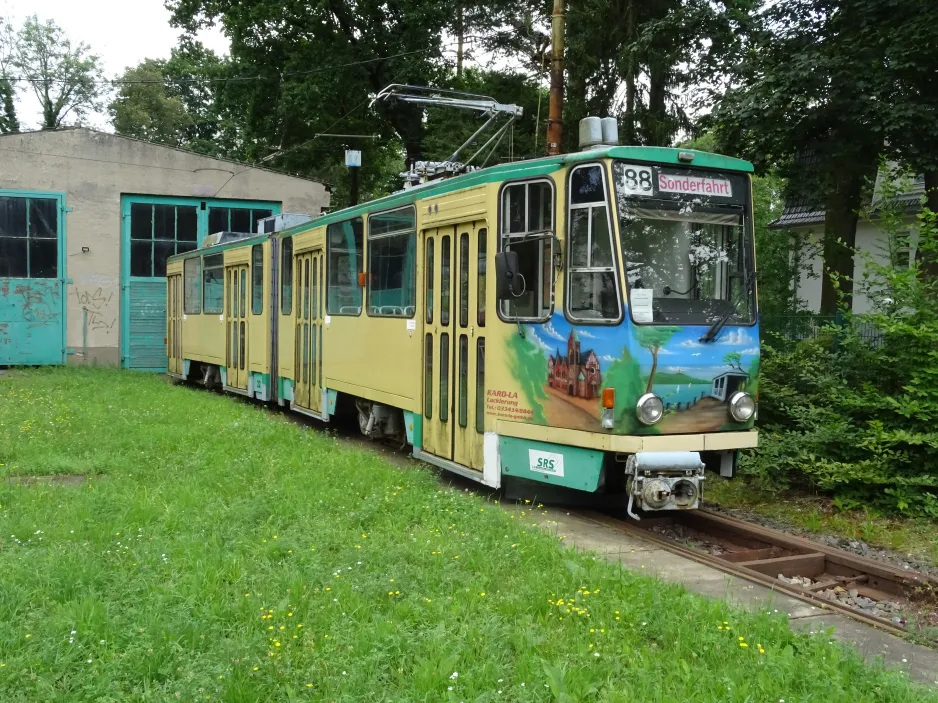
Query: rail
point(801, 568)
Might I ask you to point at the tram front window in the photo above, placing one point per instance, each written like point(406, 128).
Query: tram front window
point(686, 245)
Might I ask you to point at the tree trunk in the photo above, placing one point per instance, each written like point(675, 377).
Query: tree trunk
point(840, 230)
point(930, 258)
point(657, 132)
point(459, 40)
point(931, 189)
point(629, 136)
point(654, 367)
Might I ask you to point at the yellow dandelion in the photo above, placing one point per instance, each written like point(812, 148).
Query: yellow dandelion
point(275, 536)
point(743, 644)
point(741, 639)
point(309, 685)
point(289, 615)
point(482, 594)
point(256, 668)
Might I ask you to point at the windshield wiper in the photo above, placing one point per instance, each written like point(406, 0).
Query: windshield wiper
point(714, 329)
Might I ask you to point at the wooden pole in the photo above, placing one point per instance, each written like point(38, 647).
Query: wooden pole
point(555, 110)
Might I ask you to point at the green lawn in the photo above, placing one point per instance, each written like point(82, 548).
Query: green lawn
point(222, 552)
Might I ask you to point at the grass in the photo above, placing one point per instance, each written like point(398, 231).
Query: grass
point(916, 537)
point(223, 553)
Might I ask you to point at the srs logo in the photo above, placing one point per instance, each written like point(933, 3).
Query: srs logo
point(545, 462)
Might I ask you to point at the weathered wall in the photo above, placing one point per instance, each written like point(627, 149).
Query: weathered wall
point(93, 169)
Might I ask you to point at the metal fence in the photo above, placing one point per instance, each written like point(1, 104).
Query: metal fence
point(798, 327)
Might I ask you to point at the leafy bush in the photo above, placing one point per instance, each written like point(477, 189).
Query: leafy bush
point(857, 415)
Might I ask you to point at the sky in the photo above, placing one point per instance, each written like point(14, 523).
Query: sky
point(121, 32)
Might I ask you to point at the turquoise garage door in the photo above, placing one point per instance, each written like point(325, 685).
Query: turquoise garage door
point(32, 278)
point(153, 229)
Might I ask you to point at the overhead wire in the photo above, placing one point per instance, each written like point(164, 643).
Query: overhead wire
point(236, 79)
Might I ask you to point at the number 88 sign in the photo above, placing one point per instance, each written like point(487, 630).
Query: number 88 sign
point(636, 180)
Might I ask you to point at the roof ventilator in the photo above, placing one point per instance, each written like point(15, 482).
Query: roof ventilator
point(596, 133)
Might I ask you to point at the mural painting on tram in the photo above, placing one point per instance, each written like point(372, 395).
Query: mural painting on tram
point(557, 372)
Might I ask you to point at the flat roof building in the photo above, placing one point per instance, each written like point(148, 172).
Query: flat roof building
point(87, 220)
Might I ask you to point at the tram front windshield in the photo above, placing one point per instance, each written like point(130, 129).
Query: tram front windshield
point(686, 244)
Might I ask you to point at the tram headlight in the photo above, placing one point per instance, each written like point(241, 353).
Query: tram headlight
point(649, 409)
point(742, 406)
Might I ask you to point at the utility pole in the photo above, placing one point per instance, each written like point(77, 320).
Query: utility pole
point(555, 111)
point(353, 161)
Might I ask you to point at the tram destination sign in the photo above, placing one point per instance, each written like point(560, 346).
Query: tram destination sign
point(694, 185)
point(651, 181)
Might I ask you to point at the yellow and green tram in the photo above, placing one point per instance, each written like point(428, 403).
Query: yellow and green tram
point(586, 321)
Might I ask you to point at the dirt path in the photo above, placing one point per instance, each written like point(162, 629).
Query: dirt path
point(708, 415)
point(563, 410)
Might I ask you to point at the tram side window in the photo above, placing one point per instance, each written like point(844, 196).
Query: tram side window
point(286, 277)
point(192, 293)
point(392, 263)
point(213, 286)
point(527, 227)
point(344, 242)
point(592, 288)
point(257, 279)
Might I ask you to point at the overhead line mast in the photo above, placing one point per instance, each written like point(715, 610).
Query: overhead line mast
point(555, 110)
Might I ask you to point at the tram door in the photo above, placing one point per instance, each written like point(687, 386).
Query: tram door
point(454, 342)
point(236, 324)
point(310, 302)
point(174, 323)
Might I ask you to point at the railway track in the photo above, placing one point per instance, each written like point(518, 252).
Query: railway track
point(866, 590)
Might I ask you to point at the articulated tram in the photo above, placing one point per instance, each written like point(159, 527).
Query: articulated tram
point(585, 321)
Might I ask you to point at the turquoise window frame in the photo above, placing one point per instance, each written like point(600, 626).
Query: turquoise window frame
point(62, 256)
point(126, 200)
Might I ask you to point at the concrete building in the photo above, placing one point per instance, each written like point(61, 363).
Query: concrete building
point(805, 225)
point(87, 220)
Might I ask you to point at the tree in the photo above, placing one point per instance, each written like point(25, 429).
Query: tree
point(182, 102)
point(804, 106)
point(734, 360)
point(643, 61)
point(144, 109)
point(66, 78)
point(653, 338)
point(8, 120)
point(905, 88)
point(320, 62)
